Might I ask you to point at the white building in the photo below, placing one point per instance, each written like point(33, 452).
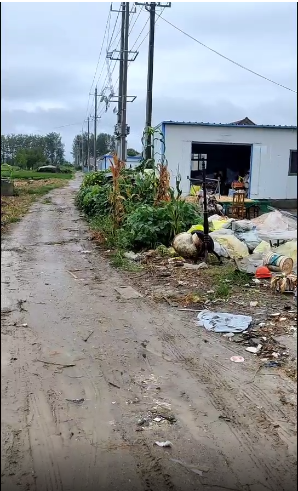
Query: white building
point(269, 153)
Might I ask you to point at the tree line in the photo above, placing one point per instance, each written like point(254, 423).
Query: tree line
point(31, 151)
point(105, 143)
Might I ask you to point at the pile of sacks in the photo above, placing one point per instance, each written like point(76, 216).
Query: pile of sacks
point(248, 241)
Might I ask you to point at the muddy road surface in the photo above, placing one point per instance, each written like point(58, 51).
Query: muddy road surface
point(94, 374)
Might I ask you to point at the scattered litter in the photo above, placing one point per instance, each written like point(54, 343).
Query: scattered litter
point(272, 364)
point(73, 275)
point(114, 402)
point(24, 325)
point(262, 324)
point(256, 281)
point(237, 359)
point(86, 252)
point(203, 266)
point(188, 466)
point(62, 365)
point(253, 304)
point(114, 385)
point(132, 256)
point(157, 419)
point(228, 335)
point(89, 335)
point(164, 444)
point(223, 322)
point(76, 401)
point(254, 349)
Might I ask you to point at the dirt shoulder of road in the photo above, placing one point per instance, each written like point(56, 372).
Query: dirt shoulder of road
point(13, 208)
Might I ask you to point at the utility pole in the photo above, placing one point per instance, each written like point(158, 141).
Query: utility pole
point(124, 56)
point(88, 143)
point(120, 94)
point(82, 150)
point(124, 85)
point(151, 8)
point(95, 126)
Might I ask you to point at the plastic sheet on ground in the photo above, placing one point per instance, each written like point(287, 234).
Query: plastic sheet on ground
point(274, 222)
point(223, 322)
point(250, 263)
point(235, 248)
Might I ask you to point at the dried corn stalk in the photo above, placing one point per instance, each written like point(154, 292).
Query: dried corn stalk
point(163, 188)
point(115, 197)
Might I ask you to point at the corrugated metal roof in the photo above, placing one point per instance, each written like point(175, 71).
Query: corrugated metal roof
point(227, 125)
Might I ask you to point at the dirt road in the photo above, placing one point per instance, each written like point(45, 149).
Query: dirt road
point(75, 410)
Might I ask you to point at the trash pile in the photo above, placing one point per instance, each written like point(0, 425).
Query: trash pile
point(269, 240)
point(259, 338)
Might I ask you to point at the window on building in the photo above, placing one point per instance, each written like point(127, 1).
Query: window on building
point(293, 163)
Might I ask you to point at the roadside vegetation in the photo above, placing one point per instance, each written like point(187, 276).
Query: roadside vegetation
point(26, 192)
point(134, 210)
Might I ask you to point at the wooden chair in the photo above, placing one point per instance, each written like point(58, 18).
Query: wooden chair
point(237, 210)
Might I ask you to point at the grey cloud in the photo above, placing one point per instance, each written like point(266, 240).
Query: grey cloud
point(50, 50)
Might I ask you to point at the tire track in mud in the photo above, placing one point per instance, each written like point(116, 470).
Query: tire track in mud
point(247, 434)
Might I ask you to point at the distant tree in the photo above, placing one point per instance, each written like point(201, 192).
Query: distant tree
point(105, 143)
point(131, 152)
point(50, 146)
point(30, 158)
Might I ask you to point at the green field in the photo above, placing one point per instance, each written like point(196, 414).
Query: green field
point(36, 176)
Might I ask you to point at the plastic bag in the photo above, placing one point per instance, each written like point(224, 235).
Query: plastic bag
point(234, 247)
point(242, 225)
point(219, 224)
point(249, 264)
point(250, 238)
point(196, 227)
point(220, 250)
point(262, 248)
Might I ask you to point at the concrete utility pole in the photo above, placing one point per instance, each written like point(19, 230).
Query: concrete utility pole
point(124, 85)
point(82, 150)
point(151, 8)
point(120, 94)
point(95, 126)
point(88, 143)
point(124, 56)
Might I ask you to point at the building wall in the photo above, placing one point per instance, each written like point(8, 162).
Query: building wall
point(269, 162)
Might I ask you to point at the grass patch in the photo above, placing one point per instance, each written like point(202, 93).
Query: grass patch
point(14, 207)
point(119, 261)
point(37, 176)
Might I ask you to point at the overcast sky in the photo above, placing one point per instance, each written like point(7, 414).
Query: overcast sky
point(50, 51)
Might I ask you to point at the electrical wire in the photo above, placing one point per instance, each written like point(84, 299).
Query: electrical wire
point(226, 57)
point(100, 53)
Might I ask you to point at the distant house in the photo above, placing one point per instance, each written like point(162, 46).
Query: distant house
point(267, 152)
point(104, 161)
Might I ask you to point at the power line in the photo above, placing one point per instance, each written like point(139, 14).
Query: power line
point(100, 53)
point(225, 57)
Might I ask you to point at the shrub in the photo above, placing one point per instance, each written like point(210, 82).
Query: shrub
point(149, 226)
point(94, 200)
point(94, 178)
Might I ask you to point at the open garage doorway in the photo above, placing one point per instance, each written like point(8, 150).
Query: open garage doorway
point(227, 161)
